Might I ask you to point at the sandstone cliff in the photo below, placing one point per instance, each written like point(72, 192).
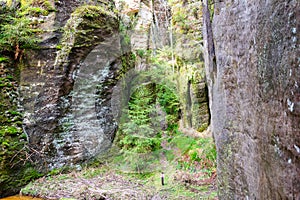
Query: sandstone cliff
point(252, 65)
point(66, 118)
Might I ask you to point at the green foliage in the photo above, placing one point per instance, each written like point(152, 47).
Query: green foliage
point(28, 190)
point(211, 7)
point(137, 131)
point(4, 59)
point(140, 132)
point(140, 144)
point(170, 103)
point(16, 26)
point(14, 172)
point(35, 11)
point(125, 38)
point(197, 154)
point(93, 172)
point(203, 127)
point(11, 137)
point(17, 31)
point(62, 170)
point(142, 53)
point(141, 163)
point(141, 104)
point(184, 143)
point(58, 47)
point(186, 16)
point(44, 4)
point(9, 130)
point(180, 18)
point(91, 11)
point(5, 13)
point(17, 35)
point(30, 174)
point(5, 82)
point(54, 172)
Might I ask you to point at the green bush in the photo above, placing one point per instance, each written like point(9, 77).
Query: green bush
point(197, 153)
point(17, 35)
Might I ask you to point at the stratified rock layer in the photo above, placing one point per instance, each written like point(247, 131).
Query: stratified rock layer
point(255, 96)
point(68, 117)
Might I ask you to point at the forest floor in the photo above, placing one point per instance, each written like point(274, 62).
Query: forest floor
point(106, 183)
point(183, 178)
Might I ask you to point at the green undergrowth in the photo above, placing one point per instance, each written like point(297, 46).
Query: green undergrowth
point(188, 164)
point(176, 185)
point(145, 149)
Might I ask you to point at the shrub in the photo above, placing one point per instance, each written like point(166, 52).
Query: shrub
point(17, 36)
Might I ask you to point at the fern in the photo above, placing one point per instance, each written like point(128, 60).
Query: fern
point(16, 35)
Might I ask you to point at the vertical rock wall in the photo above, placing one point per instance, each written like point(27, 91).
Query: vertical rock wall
point(65, 112)
point(188, 53)
point(252, 65)
point(149, 22)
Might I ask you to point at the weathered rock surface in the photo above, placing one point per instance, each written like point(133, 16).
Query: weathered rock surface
point(187, 34)
point(254, 96)
point(67, 117)
point(149, 20)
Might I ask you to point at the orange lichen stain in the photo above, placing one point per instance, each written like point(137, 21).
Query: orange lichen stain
point(20, 198)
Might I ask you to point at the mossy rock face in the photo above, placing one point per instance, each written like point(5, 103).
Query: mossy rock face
point(35, 8)
point(187, 26)
point(12, 179)
point(94, 22)
point(50, 78)
point(14, 171)
point(84, 29)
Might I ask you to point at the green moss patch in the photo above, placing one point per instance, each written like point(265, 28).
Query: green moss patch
point(36, 8)
point(93, 20)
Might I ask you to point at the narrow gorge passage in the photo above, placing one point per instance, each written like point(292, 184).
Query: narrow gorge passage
point(98, 99)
